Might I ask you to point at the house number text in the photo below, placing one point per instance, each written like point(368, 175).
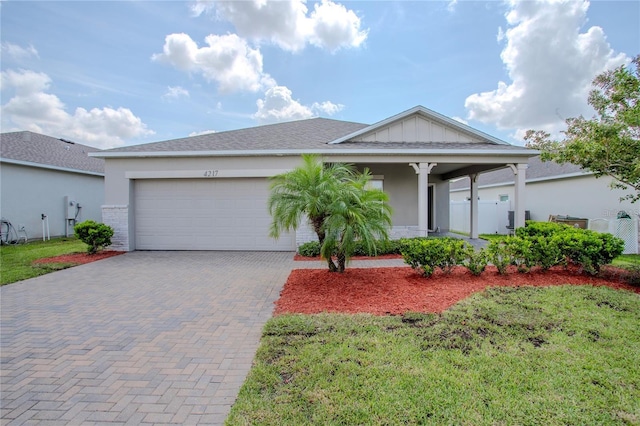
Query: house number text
point(210, 173)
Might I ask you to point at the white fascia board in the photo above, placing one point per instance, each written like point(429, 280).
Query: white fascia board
point(328, 152)
point(542, 179)
point(429, 114)
point(49, 167)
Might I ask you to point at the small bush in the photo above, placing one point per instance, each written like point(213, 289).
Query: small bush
point(310, 249)
point(95, 235)
point(546, 252)
point(541, 229)
point(476, 261)
point(427, 254)
point(553, 244)
point(498, 255)
point(519, 252)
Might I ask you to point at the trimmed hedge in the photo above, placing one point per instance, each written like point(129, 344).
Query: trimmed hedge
point(312, 248)
point(539, 244)
point(428, 254)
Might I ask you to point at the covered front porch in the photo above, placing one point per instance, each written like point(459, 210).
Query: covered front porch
point(419, 190)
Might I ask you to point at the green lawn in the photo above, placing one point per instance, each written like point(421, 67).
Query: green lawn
point(627, 261)
point(552, 356)
point(16, 260)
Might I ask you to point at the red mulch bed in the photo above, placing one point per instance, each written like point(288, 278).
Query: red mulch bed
point(79, 258)
point(383, 256)
point(394, 291)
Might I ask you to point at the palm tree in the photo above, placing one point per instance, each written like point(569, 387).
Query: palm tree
point(357, 214)
point(308, 191)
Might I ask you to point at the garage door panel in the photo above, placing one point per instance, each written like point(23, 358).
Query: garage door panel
point(202, 214)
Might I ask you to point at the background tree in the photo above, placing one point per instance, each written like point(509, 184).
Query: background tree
point(609, 143)
point(358, 213)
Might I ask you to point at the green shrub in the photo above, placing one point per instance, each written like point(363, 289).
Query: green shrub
point(476, 260)
point(540, 229)
point(554, 244)
point(588, 249)
point(546, 252)
point(518, 250)
point(95, 235)
point(310, 249)
point(427, 254)
point(498, 255)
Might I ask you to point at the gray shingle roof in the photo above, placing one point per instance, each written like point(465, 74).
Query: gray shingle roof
point(538, 169)
point(35, 148)
point(301, 134)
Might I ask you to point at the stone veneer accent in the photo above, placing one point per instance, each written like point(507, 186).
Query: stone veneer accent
point(117, 217)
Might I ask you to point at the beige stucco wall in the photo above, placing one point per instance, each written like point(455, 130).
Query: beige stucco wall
point(400, 182)
point(583, 196)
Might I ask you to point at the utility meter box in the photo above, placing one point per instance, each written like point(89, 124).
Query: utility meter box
point(71, 207)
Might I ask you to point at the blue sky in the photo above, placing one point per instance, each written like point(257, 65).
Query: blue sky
point(117, 73)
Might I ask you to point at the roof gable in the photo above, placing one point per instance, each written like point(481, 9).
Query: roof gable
point(36, 150)
point(419, 125)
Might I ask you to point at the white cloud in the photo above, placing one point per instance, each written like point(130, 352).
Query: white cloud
point(278, 105)
point(460, 120)
point(289, 24)
point(451, 6)
point(174, 92)
point(227, 60)
point(327, 107)
point(32, 108)
point(19, 52)
point(550, 63)
point(203, 132)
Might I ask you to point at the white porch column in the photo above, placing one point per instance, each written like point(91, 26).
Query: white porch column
point(473, 226)
point(423, 170)
point(519, 170)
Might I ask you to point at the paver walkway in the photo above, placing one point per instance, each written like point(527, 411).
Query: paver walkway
point(142, 338)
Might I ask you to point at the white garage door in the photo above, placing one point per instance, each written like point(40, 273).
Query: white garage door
point(205, 214)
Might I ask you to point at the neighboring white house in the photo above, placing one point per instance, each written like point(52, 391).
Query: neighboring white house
point(209, 192)
point(552, 189)
point(44, 175)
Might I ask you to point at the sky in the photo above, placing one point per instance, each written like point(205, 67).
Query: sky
point(115, 73)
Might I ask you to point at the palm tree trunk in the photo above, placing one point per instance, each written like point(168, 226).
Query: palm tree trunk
point(342, 261)
point(317, 227)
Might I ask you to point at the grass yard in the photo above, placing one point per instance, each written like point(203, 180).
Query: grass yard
point(16, 260)
point(553, 356)
point(627, 261)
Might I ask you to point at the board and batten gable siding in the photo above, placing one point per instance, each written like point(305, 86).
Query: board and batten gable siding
point(416, 129)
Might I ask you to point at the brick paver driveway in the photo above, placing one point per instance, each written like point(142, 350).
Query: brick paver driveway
point(146, 337)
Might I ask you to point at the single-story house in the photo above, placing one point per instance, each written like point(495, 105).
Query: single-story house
point(209, 192)
point(552, 190)
point(42, 175)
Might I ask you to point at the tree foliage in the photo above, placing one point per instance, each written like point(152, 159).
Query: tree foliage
point(358, 213)
point(609, 143)
point(336, 201)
